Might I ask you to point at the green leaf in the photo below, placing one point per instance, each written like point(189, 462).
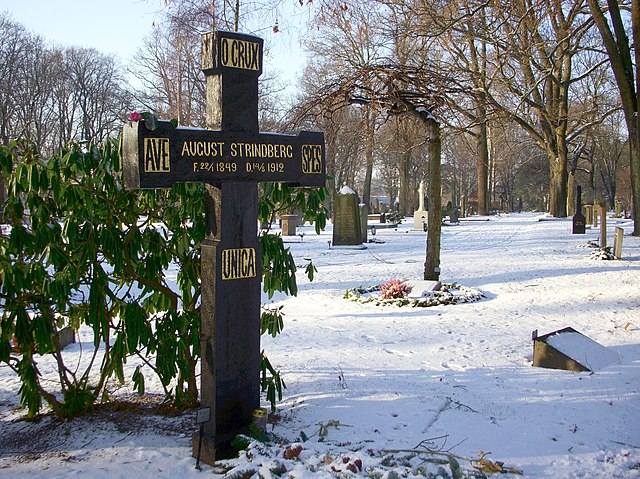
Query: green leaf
point(138, 381)
point(310, 270)
point(271, 321)
point(30, 396)
point(78, 399)
point(150, 120)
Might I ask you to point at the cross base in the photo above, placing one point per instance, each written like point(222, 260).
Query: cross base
point(205, 450)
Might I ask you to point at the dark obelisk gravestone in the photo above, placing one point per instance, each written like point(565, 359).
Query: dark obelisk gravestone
point(579, 221)
point(231, 158)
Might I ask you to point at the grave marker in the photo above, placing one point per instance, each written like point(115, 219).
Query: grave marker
point(603, 225)
point(347, 228)
point(587, 210)
point(288, 224)
point(230, 157)
point(619, 207)
point(579, 225)
point(453, 214)
point(420, 215)
point(617, 243)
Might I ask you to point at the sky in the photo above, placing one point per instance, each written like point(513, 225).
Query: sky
point(112, 27)
point(118, 27)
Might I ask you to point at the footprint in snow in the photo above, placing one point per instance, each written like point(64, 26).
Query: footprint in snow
point(398, 353)
point(453, 367)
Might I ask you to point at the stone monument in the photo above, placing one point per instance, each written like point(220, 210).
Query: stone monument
point(288, 224)
point(230, 158)
point(347, 227)
point(587, 210)
point(420, 215)
point(578, 218)
point(617, 243)
point(453, 214)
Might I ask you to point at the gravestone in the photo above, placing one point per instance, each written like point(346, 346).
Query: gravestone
point(420, 215)
point(587, 210)
point(63, 338)
point(570, 350)
point(288, 224)
point(230, 157)
point(619, 207)
point(347, 229)
point(617, 243)
point(579, 226)
point(453, 215)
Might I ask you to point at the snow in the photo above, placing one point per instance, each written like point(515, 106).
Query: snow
point(420, 287)
point(366, 383)
point(584, 350)
point(345, 190)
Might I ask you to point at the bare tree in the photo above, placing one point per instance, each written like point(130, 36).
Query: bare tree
point(98, 95)
point(459, 168)
point(168, 67)
point(626, 70)
point(534, 49)
point(460, 30)
point(391, 89)
point(16, 47)
point(606, 155)
point(346, 37)
point(53, 95)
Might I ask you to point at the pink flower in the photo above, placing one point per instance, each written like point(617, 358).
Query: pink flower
point(135, 116)
point(395, 289)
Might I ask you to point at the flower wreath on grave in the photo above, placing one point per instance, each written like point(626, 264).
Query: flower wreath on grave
point(605, 253)
point(598, 253)
point(398, 293)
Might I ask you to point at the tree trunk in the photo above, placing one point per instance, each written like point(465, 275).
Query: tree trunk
point(627, 77)
point(332, 185)
point(432, 261)
point(571, 197)
point(368, 154)
point(634, 142)
point(3, 196)
point(403, 194)
point(558, 186)
point(483, 165)
point(632, 124)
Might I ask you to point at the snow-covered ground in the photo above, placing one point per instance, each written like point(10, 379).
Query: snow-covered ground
point(368, 384)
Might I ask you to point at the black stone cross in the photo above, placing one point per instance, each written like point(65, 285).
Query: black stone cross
point(230, 157)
